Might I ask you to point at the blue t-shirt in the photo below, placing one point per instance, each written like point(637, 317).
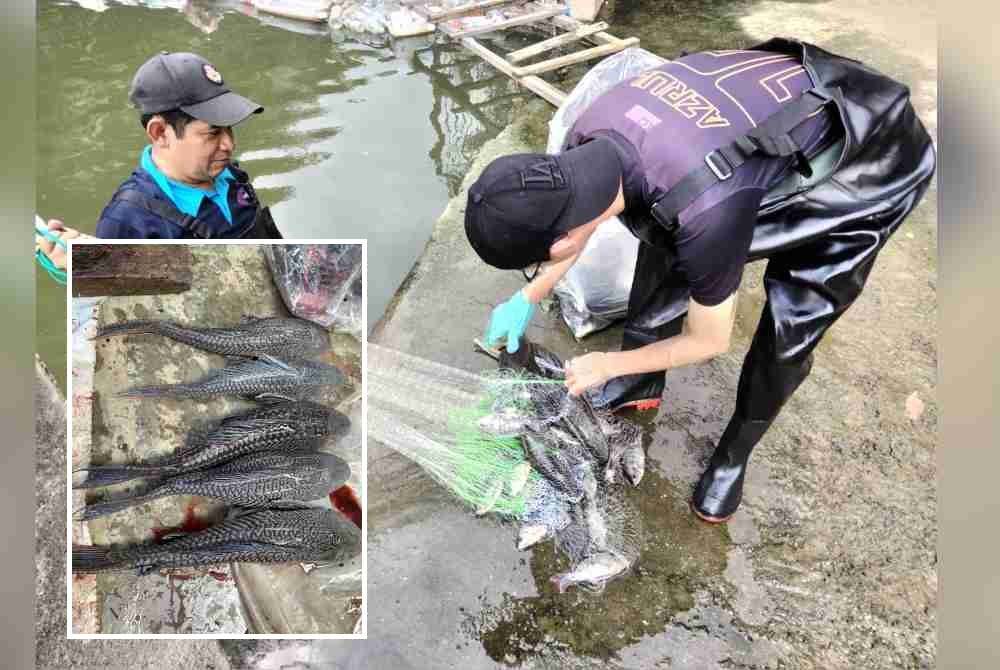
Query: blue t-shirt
point(187, 198)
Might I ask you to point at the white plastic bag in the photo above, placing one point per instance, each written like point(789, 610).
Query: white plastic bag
point(594, 293)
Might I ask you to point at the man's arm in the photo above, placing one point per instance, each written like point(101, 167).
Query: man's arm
point(541, 286)
point(706, 334)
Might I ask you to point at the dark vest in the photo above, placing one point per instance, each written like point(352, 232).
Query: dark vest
point(250, 219)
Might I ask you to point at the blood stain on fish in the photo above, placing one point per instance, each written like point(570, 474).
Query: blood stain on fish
point(191, 524)
point(345, 501)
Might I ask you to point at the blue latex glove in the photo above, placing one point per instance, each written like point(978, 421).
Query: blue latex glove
point(509, 321)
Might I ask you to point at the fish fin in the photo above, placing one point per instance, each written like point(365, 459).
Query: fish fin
point(88, 558)
point(271, 398)
point(286, 505)
point(100, 509)
point(104, 475)
point(268, 358)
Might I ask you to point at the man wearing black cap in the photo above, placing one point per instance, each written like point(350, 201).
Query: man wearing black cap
point(709, 160)
point(186, 185)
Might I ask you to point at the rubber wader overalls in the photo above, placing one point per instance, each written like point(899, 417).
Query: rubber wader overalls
point(821, 238)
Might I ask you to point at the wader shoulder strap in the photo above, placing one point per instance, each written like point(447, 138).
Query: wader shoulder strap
point(165, 210)
point(770, 138)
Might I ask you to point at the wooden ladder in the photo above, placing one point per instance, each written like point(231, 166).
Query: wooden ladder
point(513, 64)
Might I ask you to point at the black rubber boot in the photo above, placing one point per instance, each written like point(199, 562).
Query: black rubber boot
point(720, 489)
point(630, 391)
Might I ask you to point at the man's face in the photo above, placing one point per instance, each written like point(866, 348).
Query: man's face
point(200, 154)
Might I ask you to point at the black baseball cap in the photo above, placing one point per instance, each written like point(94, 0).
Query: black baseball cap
point(522, 203)
point(188, 82)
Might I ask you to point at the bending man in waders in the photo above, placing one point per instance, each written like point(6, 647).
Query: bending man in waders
point(186, 185)
point(784, 152)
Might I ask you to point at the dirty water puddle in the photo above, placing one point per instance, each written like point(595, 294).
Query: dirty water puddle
point(679, 554)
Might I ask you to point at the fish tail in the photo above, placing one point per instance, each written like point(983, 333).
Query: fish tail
point(153, 391)
point(111, 506)
point(130, 327)
point(91, 559)
point(104, 475)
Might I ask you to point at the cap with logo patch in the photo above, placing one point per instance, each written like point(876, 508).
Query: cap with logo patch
point(188, 82)
point(522, 203)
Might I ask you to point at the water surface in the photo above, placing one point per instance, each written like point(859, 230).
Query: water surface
point(358, 139)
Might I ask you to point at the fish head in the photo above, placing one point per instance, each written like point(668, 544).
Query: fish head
point(633, 464)
point(583, 475)
point(337, 424)
point(326, 375)
point(317, 338)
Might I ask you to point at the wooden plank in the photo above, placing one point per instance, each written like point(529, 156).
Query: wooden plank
point(463, 10)
point(573, 58)
point(130, 269)
point(536, 85)
point(534, 17)
point(557, 41)
point(543, 89)
point(569, 23)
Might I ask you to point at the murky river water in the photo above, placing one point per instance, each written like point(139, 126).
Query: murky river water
point(356, 140)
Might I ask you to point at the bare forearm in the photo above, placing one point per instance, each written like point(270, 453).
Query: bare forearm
point(541, 286)
point(672, 352)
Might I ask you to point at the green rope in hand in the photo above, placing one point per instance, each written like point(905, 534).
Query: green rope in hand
point(56, 273)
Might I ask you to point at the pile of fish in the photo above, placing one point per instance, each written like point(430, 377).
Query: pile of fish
point(582, 455)
point(265, 463)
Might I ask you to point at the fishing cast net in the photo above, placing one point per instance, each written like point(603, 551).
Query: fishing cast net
point(512, 443)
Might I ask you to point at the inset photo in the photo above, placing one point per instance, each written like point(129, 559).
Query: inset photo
point(216, 451)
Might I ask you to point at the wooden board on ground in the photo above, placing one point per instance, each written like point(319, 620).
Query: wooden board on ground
point(557, 41)
point(573, 58)
point(127, 269)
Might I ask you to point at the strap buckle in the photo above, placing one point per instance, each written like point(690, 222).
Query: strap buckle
point(713, 160)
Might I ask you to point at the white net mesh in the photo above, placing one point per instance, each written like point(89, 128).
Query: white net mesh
point(515, 443)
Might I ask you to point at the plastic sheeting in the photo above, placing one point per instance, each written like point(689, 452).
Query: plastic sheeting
point(320, 282)
point(594, 293)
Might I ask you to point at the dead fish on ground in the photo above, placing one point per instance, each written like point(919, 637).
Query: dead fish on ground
point(595, 571)
point(251, 377)
point(253, 480)
point(292, 338)
point(545, 514)
point(633, 460)
point(310, 535)
point(286, 426)
point(550, 464)
point(581, 420)
point(508, 422)
point(518, 478)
